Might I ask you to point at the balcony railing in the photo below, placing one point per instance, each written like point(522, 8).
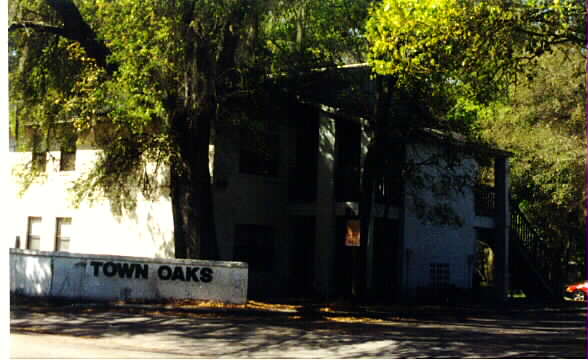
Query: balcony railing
point(485, 200)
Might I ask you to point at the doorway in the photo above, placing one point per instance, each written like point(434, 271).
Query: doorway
point(386, 259)
point(302, 240)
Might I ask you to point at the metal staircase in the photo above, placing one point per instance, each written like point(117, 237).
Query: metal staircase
point(529, 265)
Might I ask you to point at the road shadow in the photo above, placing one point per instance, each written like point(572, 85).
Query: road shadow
point(342, 332)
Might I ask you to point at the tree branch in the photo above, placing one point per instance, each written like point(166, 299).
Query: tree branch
point(557, 39)
point(37, 27)
point(77, 29)
point(74, 28)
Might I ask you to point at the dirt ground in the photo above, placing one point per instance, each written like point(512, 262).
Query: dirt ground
point(298, 329)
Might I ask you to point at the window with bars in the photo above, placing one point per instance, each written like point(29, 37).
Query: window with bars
point(62, 234)
point(34, 233)
point(439, 275)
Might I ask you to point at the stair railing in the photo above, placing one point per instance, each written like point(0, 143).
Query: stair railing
point(529, 239)
point(532, 243)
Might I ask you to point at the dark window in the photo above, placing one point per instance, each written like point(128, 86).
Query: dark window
point(67, 161)
point(484, 191)
point(302, 169)
point(254, 244)
point(39, 153)
point(62, 234)
point(34, 233)
point(68, 149)
point(259, 151)
point(389, 184)
point(39, 161)
point(347, 167)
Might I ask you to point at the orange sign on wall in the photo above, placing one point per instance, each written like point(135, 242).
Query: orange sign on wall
point(352, 233)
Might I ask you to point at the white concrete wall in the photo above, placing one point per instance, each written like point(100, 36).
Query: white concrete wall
point(148, 231)
point(30, 275)
point(107, 278)
point(426, 243)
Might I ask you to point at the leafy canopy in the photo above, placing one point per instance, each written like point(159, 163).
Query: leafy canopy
point(479, 45)
point(544, 124)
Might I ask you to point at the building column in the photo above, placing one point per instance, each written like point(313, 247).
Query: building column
point(325, 206)
point(502, 221)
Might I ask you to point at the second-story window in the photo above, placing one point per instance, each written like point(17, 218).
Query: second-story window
point(39, 150)
point(389, 183)
point(347, 163)
point(485, 190)
point(67, 141)
point(302, 153)
point(67, 162)
point(259, 148)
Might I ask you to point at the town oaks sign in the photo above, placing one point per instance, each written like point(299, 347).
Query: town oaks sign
point(141, 271)
point(103, 277)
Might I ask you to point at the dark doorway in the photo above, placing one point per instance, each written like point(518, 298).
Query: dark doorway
point(302, 239)
point(386, 260)
point(343, 260)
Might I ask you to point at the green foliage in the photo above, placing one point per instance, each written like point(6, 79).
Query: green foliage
point(543, 124)
point(53, 80)
point(305, 35)
point(479, 46)
point(459, 55)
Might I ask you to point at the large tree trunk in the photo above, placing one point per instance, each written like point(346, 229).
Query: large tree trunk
point(191, 195)
point(371, 171)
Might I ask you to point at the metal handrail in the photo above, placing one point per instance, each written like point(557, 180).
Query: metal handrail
point(529, 238)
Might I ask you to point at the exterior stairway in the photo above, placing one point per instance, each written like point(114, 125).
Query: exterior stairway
point(529, 265)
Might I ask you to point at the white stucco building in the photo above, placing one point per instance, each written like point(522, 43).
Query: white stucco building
point(44, 218)
point(287, 211)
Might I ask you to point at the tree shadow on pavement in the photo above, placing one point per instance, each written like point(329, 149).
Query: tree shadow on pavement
point(343, 334)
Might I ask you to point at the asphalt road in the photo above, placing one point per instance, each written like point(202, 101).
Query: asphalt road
point(127, 333)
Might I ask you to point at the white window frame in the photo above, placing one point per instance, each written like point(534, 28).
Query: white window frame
point(59, 238)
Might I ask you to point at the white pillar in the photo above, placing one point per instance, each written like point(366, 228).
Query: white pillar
point(325, 206)
point(501, 175)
